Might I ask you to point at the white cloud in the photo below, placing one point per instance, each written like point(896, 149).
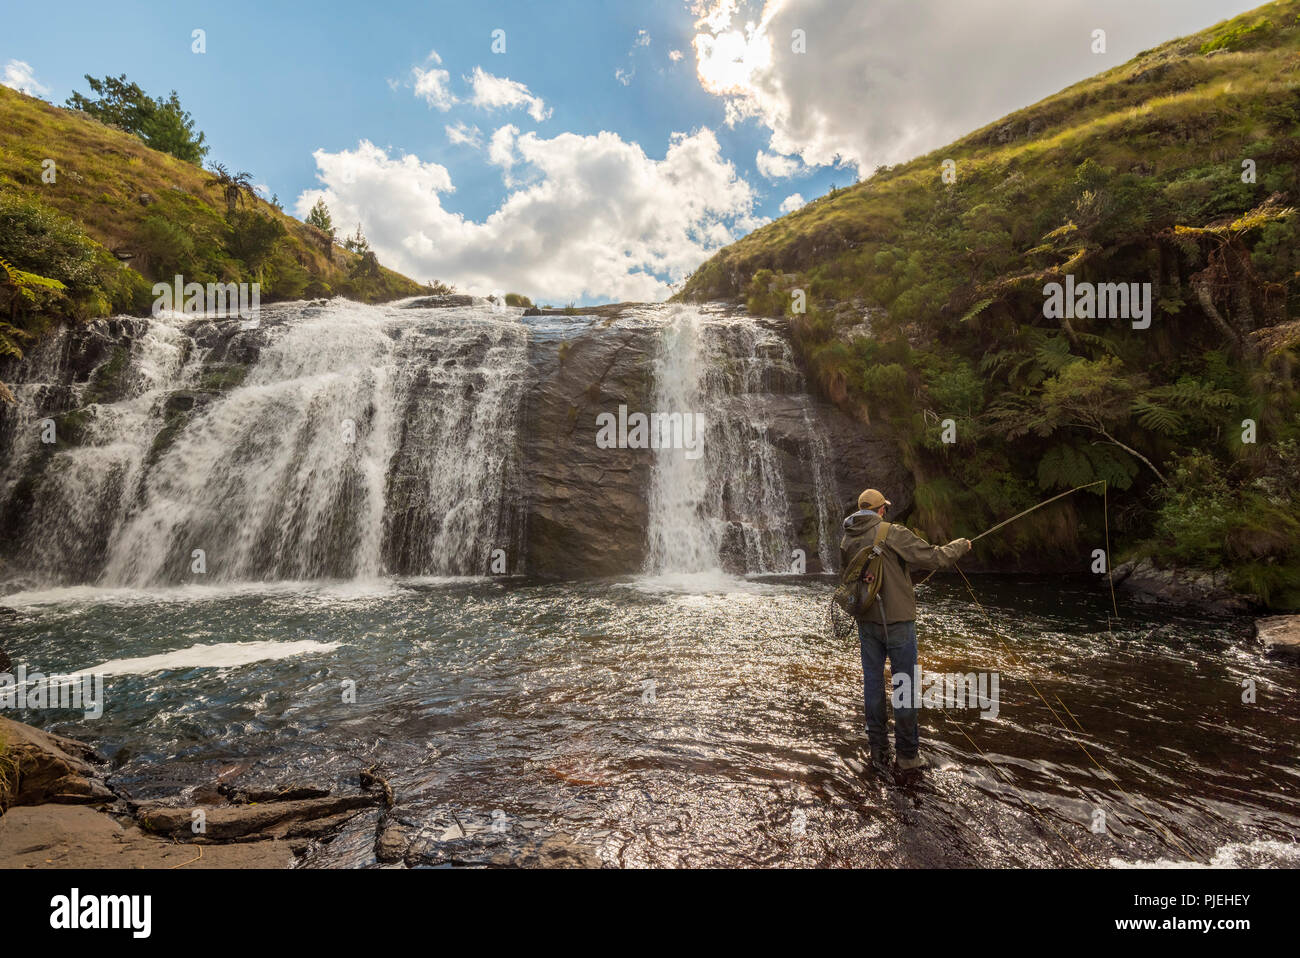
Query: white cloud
point(434, 86)
point(642, 39)
point(624, 76)
point(675, 55)
point(20, 76)
point(597, 218)
point(886, 81)
point(495, 93)
point(776, 167)
point(460, 133)
point(501, 150)
point(792, 202)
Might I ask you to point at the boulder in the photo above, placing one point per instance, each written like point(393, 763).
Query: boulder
point(390, 846)
point(48, 768)
point(1199, 588)
point(303, 818)
point(1280, 635)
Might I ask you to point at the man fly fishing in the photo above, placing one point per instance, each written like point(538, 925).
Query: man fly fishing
point(876, 589)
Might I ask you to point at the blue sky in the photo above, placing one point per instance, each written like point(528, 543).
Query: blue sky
point(584, 197)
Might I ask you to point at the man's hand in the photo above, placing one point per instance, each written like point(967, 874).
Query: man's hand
point(964, 544)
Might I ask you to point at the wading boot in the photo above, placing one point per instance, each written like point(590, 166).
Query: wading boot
point(907, 770)
point(880, 761)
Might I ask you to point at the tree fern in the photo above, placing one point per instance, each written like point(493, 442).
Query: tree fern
point(1069, 465)
point(1157, 418)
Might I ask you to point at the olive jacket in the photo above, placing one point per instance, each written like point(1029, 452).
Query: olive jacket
point(904, 551)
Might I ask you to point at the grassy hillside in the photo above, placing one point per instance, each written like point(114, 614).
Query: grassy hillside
point(925, 303)
point(119, 216)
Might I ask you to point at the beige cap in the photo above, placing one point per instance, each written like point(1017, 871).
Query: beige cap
point(872, 499)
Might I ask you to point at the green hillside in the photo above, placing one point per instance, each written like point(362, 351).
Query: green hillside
point(118, 216)
point(1138, 175)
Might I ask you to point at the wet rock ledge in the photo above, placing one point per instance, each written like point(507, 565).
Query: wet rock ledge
point(56, 810)
point(1208, 591)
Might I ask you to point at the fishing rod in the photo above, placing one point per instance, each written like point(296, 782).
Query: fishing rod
point(1047, 502)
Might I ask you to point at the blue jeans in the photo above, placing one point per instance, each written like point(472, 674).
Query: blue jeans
point(899, 644)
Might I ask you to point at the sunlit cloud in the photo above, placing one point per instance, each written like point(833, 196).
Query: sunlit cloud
point(20, 76)
point(497, 93)
point(595, 218)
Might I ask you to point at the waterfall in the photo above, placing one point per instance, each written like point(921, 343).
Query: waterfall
point(681, 537)
point(731, 507)
point(70, 497)
point(335, 441)
point(344, 441)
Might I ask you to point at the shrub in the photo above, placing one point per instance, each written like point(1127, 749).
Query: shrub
point(38, 240)
point(167, 247)
point(252, 237)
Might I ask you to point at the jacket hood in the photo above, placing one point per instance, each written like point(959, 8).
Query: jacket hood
point(860, 522)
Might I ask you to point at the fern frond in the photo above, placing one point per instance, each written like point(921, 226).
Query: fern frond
point(977, 309)
point(1157, 418)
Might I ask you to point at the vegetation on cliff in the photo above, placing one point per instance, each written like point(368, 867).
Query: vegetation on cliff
point(925, 309)
point(91, 216)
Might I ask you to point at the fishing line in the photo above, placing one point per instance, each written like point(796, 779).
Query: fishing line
point(1173, 841)
point(1105, 487)
point(1012, 785)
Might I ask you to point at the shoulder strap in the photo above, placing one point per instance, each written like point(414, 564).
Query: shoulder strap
point(853, 571)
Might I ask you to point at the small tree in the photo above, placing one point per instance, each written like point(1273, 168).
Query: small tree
point(162, 124)
point(253, 238)
point(319, 217)
point(235, 186)
point(367, 267)
point(321, 227)
point(357, 243)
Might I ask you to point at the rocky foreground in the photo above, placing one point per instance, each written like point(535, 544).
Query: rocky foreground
point(57, 811)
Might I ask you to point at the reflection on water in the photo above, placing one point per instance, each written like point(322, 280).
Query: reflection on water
point(700, 721)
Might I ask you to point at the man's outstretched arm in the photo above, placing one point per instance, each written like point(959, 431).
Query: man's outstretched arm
point(919, 554)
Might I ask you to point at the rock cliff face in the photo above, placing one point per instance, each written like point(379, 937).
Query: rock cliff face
point(588, 508)
point(339, 440)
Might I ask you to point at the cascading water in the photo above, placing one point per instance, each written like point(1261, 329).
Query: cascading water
point(69, 497)
point(730, 507)
point(344, 441)
point(336, 441)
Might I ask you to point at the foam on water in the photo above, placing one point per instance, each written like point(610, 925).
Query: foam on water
point(1257, 854)
point(223, 655)
point(79, 596)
